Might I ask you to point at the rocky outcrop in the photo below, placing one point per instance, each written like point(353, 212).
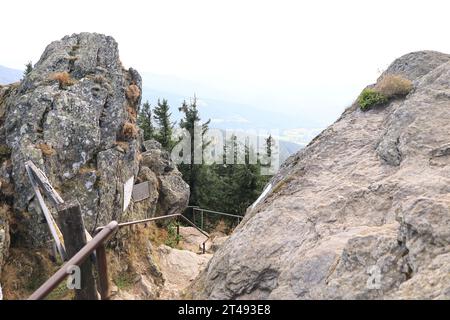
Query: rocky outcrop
point(74, 116)
point(173, 190)
point(4, 238)
point(363, 212)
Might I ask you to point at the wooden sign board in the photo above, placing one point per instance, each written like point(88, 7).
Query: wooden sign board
point(127, 191)
point(141, 191)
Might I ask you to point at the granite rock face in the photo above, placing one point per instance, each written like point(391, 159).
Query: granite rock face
point(363, 212)
point(74, 116)
point(4, 237)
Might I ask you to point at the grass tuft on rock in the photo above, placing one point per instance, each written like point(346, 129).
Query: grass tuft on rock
point(393, 86)
point(129, 130)
point(370, 98)
point(63, 79)
point(388, 87)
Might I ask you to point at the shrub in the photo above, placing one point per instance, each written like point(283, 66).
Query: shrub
point(392, 86)
point(87, 169)
point(132, 114)
point(172, 237)
point(5, 151)
point(61, 292)
point(122, 145)
point(124, 280)
point(63, 78)
point(47, 150)
point(133, 93)
point(388, 87)
point(129, 130)
point(369, 98)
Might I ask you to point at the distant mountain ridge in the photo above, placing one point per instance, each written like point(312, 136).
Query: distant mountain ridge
point(8, 75)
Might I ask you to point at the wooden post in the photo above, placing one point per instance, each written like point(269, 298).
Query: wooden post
point(72, 228)
point(102, 266)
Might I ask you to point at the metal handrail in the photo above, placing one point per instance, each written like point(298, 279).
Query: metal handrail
point(130, 223)
point(193, 224)
point(198, 209)
point(202, 232)
point(178, 215)
point(217, 212)
point(76, 260)
point(97, 244)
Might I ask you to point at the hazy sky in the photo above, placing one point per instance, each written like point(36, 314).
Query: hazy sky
point(303, 57)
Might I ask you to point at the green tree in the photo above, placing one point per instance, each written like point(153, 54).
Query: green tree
point(145, 121)
point(264, 179)
point(194, 173)
point(165, 126)
point(247, 180)
point(269, 143)
point(28, 69)
point(223, 187)
point(232, 187)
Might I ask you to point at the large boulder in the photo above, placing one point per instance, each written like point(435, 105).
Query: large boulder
point(363, 212)
point(74, 116)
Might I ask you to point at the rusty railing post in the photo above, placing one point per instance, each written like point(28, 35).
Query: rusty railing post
point(178, 230)
point(201, 220)
point(76, 260)
point(102, 267)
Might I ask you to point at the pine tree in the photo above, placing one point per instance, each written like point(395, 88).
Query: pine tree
point(247, 178)
point(145, 121)
point(194, 174)
point(223, 187)
point(269, 143)
point(165, 126)
point(28, 69)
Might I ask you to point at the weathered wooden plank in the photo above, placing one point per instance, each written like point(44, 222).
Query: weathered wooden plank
point(54, 230)
point(43, 182)
point(72, 227)
point(38, 177)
